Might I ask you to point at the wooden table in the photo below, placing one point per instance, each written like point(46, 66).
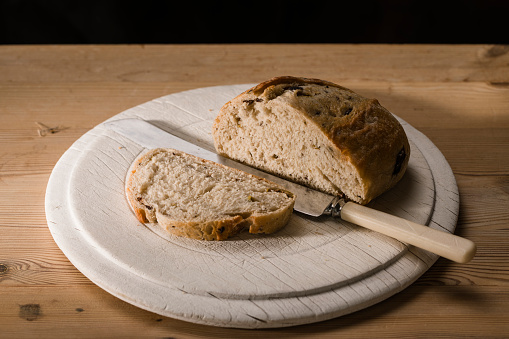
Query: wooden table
point(456, 95)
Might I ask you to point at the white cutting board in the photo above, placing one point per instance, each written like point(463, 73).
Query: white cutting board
point(312, 270)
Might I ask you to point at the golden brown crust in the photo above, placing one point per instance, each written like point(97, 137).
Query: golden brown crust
point(260, 88)
point(212, 230)
point(373, 148)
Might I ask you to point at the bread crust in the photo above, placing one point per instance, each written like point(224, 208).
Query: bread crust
point(214, 229)
point(368, 136)
point(260, 88)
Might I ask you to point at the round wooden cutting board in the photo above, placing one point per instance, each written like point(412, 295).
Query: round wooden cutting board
point(312, 270)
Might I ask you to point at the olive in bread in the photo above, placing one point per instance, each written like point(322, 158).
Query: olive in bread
point(200, 199)
point(316, 133)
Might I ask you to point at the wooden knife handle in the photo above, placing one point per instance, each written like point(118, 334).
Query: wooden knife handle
point(444, 244)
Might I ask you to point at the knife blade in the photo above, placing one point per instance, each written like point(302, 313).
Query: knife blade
point(309, 201)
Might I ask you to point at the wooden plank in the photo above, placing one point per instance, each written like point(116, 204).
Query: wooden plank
point(473, 151)
point(87, 311)
point(438, 105)
point(230, 64)
point(40, 264)
point(425, 104)
point(22, 199)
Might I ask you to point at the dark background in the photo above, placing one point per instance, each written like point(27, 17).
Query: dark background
point(150, 21)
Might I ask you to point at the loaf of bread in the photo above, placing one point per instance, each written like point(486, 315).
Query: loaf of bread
point(316, 133)
point(200, 199)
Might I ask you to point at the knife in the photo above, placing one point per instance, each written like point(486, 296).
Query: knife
point(309, 201)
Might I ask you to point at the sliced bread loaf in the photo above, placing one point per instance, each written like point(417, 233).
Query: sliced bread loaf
point(200, 199)
point(316, 133)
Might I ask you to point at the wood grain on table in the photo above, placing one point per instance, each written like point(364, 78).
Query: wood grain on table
point(458, 96)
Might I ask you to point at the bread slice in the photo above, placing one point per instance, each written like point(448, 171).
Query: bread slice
point(316, 133)
point(200, 199)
